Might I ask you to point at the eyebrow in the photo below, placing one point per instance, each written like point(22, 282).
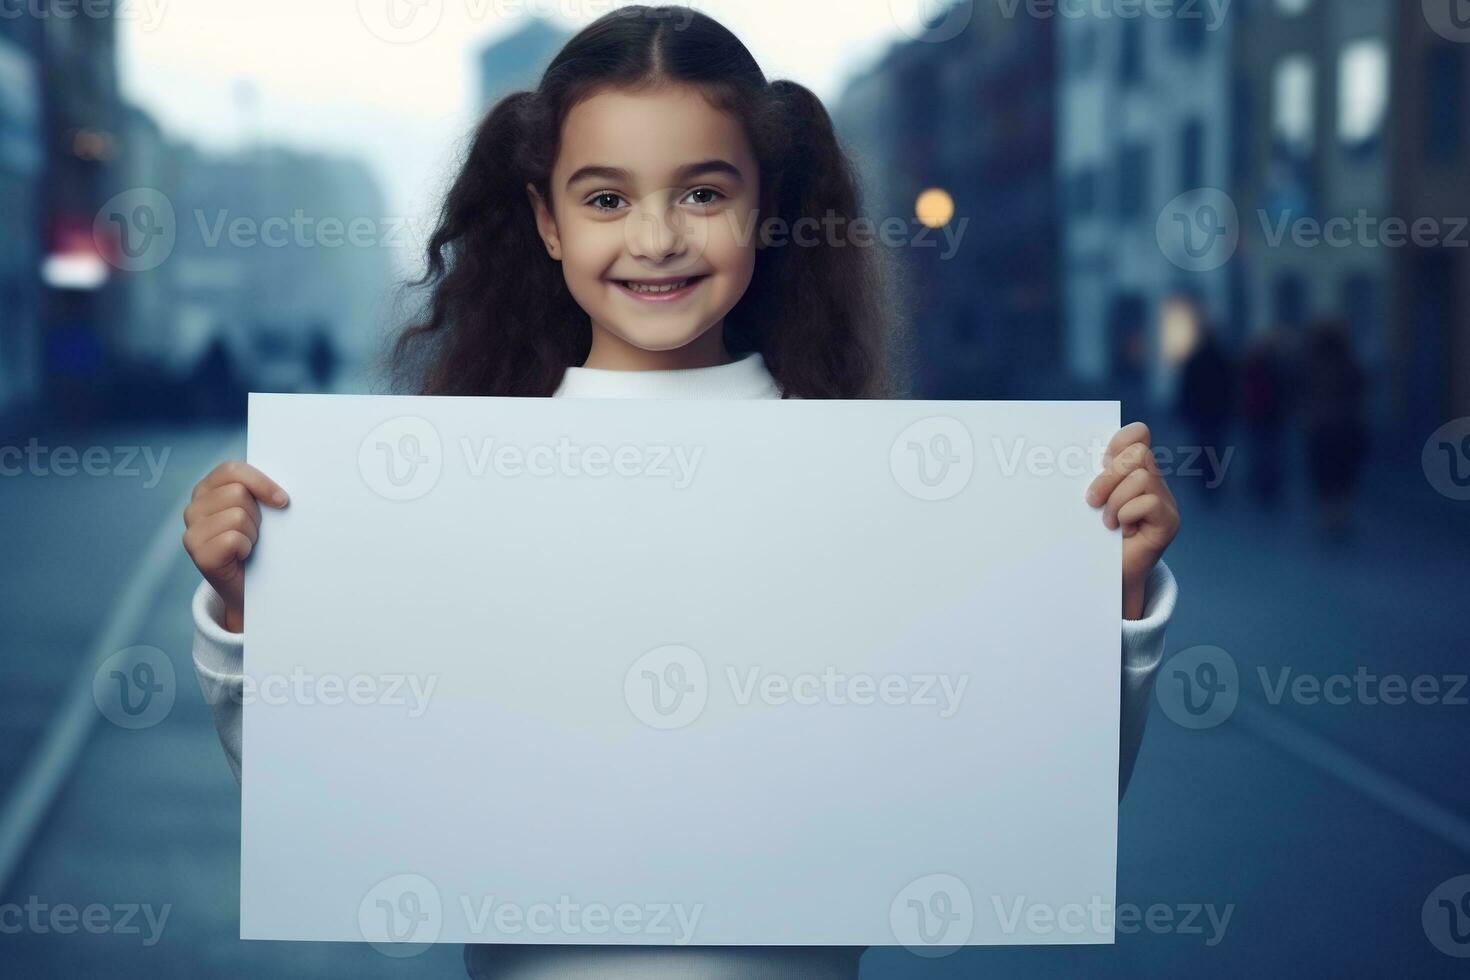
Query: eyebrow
point(684, 173)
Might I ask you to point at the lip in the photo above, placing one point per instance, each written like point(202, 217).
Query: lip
point(668, 297)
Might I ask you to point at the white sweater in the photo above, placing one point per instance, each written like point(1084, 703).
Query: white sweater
point(218, 657)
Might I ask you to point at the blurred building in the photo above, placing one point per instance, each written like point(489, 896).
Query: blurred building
point(1298, 113)
point(147, 161)
point(282, 258)
point(1314, 143)
point(1429, 325)
point(1141, 118)
point(953, 135)
point(81, 114)
point(517, 60)
point(22, 161)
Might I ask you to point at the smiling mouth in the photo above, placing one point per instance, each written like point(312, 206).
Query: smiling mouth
point(661, 290)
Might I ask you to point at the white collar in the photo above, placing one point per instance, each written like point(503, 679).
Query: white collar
point(745, 377)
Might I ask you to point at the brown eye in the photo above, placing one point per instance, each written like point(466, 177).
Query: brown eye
point(604, 196)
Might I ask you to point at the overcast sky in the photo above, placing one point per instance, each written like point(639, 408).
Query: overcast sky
point(324, 79)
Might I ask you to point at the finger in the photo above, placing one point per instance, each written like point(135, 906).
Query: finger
point(265, 489)
point(1130, 458)
point(219, 552)
point(1134, 485)
point(1140, 508)
point(222, 498)
point(233, 520)
point(1131, 433)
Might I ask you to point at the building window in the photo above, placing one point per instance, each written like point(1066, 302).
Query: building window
point(1133, 181)
point(1191, 155)
point(1294, 105)
point(1242, 131)
point(1191, 26)
point(1084, 48)
point(1082, 193)
point(1444, 109)
point(1130, 52)
point(1362, 91)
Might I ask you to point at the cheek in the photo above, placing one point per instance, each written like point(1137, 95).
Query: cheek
point(730, 245)
point(591, 249)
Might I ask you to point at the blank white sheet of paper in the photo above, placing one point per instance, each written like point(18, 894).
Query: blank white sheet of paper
point(627, 671)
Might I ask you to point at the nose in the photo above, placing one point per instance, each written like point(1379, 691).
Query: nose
point(654, 231)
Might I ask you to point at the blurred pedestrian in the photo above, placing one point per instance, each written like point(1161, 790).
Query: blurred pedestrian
point(1206, 399)
point(1333, 422)
point(1264, 407)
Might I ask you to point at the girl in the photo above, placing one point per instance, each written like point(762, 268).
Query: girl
point(601, 241)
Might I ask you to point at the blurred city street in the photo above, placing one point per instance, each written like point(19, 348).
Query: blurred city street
point(1247, 222)
point(1311, 833)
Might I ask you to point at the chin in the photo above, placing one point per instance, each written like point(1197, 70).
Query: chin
point(660, 340)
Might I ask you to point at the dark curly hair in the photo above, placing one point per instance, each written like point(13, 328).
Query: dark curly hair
point(500, 319)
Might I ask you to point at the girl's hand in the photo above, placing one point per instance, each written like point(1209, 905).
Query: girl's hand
point(1133, 495)
point(223, 523)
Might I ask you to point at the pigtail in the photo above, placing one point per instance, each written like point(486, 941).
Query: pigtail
point(818, 310)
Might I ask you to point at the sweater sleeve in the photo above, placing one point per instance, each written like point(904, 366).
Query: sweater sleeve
point(1143, 647)
point(219, 663)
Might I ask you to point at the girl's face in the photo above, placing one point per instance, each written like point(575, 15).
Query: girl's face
point(653, 187)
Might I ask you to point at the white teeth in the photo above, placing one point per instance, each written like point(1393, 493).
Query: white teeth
point(640, 288)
